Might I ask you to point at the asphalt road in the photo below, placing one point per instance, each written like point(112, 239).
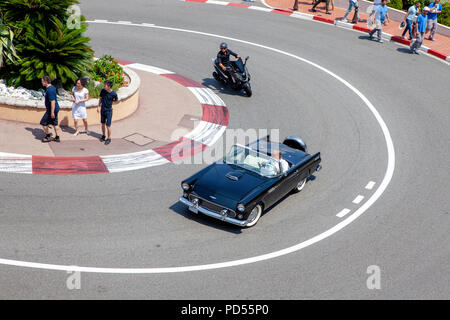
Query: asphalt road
point(133, 220)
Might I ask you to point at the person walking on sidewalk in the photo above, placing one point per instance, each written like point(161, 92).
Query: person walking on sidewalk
point(327, 6)
point(351, 4)
point(50, 117)
point(435, 9)
point(409, 18)
point(79, 97)
point(421, 27)
point(381, 17)
point(376, 3)
point(107, 96)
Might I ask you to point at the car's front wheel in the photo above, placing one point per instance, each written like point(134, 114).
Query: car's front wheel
point(254, 215)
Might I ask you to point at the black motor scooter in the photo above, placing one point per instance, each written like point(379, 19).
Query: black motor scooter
point(240, 79)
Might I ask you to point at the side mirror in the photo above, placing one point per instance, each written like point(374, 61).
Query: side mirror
point(246, 58)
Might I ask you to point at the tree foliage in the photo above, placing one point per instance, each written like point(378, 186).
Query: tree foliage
point(7, 49)
point(45, 44)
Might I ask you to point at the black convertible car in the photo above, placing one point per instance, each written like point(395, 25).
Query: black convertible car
point(238, 188)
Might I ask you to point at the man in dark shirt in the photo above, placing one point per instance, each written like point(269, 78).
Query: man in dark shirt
point(223, 59)
point(51, 110)
point(107, 96)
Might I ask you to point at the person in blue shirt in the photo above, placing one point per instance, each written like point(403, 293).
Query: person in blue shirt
point(420, 33)
point(409, 18)
point(435, 9)
point(107, 96)
point(381, 17)
point(50, 117)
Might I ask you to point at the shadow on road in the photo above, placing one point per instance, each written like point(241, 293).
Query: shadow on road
point(38, 133)
point(182, 210)
point(364, 37)
point(404, 50)
point(213, 84)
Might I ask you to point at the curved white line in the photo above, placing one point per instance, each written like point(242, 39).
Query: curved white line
point(264, 3)
point(377, 194)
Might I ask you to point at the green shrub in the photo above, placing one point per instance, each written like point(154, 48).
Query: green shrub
point(7, 49)
point(95, 88)
point(61, 53)
point(26, 13)
point(107, 68)
point(396, 4)
point(443, 17)
point(44, 43)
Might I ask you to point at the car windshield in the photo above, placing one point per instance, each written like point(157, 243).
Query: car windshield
point(252, 160)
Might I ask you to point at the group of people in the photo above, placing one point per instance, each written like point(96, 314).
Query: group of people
point(426, 21)
point(80, 95)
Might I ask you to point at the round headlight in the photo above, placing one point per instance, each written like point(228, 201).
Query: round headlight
point(240, 207)
point(185, 186)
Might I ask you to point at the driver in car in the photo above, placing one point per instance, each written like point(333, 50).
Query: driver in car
point(223, 59)
point(283, 164)
point(276, 165)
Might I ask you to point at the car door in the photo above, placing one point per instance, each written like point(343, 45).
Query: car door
point(290, 180)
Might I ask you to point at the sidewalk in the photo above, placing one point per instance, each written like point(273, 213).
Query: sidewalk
point(442, 43)
point(164, 107)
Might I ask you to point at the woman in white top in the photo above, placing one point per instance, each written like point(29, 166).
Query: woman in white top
point(79, 97)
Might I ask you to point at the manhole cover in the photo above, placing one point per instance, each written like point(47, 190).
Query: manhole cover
point(139, 139)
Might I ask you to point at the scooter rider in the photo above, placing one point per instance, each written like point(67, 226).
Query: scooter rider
point(223, 59)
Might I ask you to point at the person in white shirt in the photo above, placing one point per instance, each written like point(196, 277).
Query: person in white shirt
point(283, 164)
point(79, 97)
point(373, 8)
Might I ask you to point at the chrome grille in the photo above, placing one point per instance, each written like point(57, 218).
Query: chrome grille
point(211, 205)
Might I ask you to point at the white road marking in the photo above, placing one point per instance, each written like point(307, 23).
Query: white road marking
point(206, 133)
point(133, 161)
point(144, 67)
point(343, 24)
point(358, 199)
point(343, 213)
point(301, 15)
point(16, 163)
point(264, 3)
point(260, 8)
point(207, 96)
point(220, 3)
point(324, 235)
point(370, 185)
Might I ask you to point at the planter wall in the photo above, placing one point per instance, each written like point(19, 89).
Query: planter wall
point(31, 111)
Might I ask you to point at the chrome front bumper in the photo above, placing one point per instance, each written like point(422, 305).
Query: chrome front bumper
point(215, 215)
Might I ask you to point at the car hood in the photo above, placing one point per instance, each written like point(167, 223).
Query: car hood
point(227, 182)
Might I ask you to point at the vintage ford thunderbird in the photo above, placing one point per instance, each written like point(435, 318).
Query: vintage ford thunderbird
point(248, 180)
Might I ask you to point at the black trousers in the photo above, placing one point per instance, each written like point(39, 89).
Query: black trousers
point(319, 1)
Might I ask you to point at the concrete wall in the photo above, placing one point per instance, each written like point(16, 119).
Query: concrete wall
point(32, 111)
